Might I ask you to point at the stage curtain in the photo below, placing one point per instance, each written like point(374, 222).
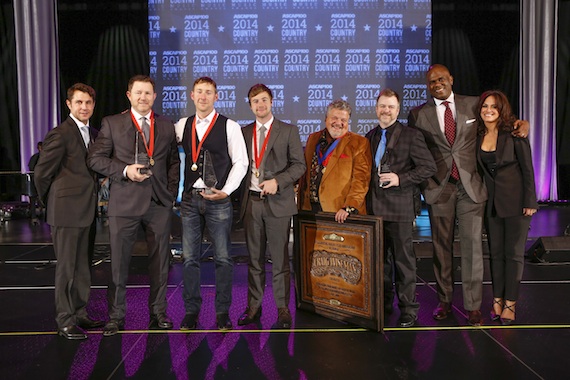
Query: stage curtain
point(538, 88)
point(38, 72)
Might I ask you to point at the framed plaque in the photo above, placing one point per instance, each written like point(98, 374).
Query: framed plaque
point(339, 267)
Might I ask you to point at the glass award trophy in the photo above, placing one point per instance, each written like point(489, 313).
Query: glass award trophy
point(141, 158)
point(208, 173)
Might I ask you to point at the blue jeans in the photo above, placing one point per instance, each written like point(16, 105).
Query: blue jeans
point(197, 212)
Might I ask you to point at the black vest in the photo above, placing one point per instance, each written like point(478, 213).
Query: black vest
point(216, 143)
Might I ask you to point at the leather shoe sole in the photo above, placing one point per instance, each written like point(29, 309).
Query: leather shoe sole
point(88, 323)
point(407, 320)
point(72, 333)
point(441, 311)
point(161, 320)
point(112, 327)
point(250, 315)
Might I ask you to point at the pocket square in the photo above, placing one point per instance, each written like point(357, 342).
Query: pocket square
point(470, 121)
point(342, 155)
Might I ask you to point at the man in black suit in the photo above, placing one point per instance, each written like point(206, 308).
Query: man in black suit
point(276, 162)
point(142, 192)
point(401, 162)
point(66, 184)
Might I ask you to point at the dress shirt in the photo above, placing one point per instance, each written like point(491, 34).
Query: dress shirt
point(236, 150)
point(440, 109)
point(79, 125)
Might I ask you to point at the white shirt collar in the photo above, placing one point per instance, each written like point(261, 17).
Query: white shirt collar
point(78, 122)
point(267, 125)
point(450, 99)
point(209, 118)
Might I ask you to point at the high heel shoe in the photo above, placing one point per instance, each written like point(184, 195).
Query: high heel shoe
point(508, 321)
point(494, 315)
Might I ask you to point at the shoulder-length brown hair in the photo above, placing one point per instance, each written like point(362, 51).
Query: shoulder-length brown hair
point(506, 116)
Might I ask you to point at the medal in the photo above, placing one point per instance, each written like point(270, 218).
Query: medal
point(324, 169)
point(151, 161)
point(194, 167)
point(257, 174)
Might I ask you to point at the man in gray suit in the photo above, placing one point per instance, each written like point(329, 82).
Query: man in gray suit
point(276, 162)
point(142, 192)
point(447, 121)
point(406, 160)
point(69, 188)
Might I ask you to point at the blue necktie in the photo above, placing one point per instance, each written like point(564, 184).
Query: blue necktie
point(381, 148)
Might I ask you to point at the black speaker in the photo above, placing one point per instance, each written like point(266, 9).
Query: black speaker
point(552, 249)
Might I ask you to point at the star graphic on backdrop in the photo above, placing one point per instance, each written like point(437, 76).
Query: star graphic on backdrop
point(295, 99)
point(221, 28)
point(172, 29)
point(246, 99)
point(414, 28)
point(318, 28)
point(367, 28)
point(270, 28)
point(344, 97)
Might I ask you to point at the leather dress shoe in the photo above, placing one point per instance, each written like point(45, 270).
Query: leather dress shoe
point(190, 322)
point(88, 323)
point(72, 332)
point(442, 311)
point(474, 317)
point(223, 321)
point(407, 320)
point(112, 327)
point(161, 320)
point(284, 319)
point(250, 315)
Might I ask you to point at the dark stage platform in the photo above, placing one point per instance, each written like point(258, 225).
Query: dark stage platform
point(536, 347)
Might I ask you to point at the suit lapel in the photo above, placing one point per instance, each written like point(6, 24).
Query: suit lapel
point(433, 121)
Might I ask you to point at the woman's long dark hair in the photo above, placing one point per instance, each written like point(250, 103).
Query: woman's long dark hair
point(506, 116)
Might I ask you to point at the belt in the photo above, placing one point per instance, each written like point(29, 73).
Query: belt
point(255, 194)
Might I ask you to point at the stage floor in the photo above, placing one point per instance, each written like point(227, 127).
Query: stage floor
point(314, 348)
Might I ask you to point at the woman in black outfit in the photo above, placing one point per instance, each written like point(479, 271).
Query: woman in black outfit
point(505, 163)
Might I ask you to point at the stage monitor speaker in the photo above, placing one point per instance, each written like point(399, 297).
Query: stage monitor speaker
point(552, 249)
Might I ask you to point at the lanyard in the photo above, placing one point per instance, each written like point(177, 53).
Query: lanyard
point(196, 150)
point(324, 160)
point(148, 146)
point(259, 157)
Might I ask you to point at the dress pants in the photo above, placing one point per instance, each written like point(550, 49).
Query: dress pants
point(453, 203)
point(72, 273)
point(156, 223)
point(400, 263)
point(263, 229)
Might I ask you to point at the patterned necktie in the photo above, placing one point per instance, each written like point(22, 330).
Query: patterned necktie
point(381, 149)
point(145, 128)
point(262, 130)
point(449, 124)
point(85, 134)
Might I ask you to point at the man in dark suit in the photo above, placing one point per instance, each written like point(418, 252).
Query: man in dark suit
point(142, 192)
point(406, 162)
point(338, 167)
point(268, 201)
point(69, 188)
point(447, 121)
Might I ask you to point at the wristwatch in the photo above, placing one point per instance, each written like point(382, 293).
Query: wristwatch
point(351, 210)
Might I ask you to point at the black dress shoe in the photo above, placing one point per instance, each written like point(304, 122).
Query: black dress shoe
point(161, 320)
point(223, 321)
point(112, 327)
point(189, 322)
point(284, 319)
point(250, 315)
point(407, 320)
point(72, 332)
point(88, 323)
point(475, 318)
point(442, 311)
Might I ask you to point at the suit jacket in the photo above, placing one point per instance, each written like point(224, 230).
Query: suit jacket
point(63, 180)
point(283, 160)
point(411, 160)
point(346, 180)
point(425, 119)
point(114, 149)
point(511, 188)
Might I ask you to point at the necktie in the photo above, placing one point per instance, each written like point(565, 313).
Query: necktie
point(381, 148)
point(449, 124)
point(145, 128)
point(262, 130)
point(85, 134)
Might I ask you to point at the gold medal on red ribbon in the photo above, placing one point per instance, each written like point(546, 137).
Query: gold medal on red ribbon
point(151, 161)
point(257, 173)
point(194, 167)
